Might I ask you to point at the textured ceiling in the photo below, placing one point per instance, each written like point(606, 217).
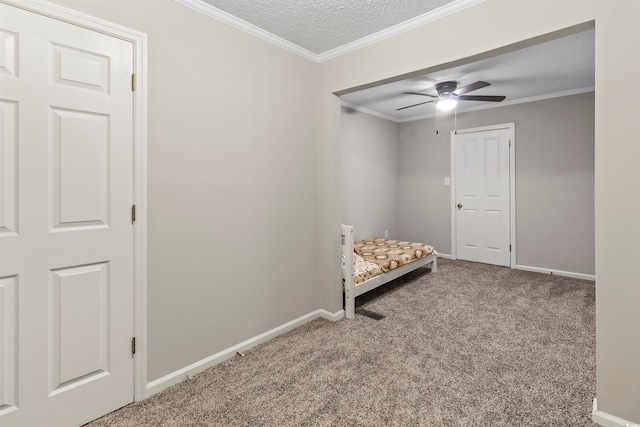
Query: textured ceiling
point(561, 66)
point(320, 26)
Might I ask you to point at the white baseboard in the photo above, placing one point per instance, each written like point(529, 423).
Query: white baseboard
point(607, 420)
point(334, 317)
point(181, 374)
point(445, 256)
point(582, 276)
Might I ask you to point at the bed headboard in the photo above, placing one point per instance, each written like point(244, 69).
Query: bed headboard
point(347, 270)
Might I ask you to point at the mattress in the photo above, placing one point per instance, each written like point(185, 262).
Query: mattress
point(390, 254)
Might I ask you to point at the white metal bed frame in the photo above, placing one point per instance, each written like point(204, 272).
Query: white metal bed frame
point(351, 291)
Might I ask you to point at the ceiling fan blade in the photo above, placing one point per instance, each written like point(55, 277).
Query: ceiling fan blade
point(487, 98)
point(471, 87)
point(414, 105)
point(421, 94)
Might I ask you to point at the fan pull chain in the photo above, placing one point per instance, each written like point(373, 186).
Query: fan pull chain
point(437, 117)
point(455, 119)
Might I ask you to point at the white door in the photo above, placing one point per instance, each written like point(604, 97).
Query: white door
point(482, 196)
point(66, 235)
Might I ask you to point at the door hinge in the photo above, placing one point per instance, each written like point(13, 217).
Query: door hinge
point(509, 143)
point(509, 248)
point(133, 214)
point(133, 82)
point(133, 346)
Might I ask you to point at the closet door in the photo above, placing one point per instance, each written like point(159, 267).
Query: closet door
point(482, 196)
point(66, 237)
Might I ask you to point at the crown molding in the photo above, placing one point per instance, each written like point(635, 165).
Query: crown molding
point(227, 18)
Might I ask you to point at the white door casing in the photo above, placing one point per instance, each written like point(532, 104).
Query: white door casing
point(66, 236)
point(483, 224)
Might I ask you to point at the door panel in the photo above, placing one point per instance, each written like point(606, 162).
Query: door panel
point(80, 168)
point(79, 327)
point(74, 67)
point(8, 166)
point(66, 237)
point(483, 196)
point(492, 227)
point(492, 168)
point(8, 336)
point(470, 228)
point(9, 53)
point(469, 161)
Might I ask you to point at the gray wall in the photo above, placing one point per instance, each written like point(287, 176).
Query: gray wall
point(369, 173)
point(424, 214)
point(554, 180)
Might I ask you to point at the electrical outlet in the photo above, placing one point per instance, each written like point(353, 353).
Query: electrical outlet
point(447, 180)
point(386, 234)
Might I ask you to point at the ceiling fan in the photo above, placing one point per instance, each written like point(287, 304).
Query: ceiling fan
point(449, 94)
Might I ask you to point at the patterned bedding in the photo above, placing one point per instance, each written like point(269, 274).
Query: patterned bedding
point(390, 254)
point(364, 270)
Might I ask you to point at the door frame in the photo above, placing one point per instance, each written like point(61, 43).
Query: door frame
point(511, 127)
point(139, 42)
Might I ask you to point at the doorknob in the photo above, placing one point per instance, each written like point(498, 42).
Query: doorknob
point(459, 205)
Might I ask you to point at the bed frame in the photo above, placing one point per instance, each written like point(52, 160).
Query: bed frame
point(351, 291)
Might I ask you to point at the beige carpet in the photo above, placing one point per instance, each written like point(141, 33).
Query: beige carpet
point(470, 345)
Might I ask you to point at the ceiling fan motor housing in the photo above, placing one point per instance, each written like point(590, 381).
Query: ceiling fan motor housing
point(446, 88)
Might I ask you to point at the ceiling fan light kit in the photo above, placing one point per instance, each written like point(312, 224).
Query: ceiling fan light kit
point(446, 104)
